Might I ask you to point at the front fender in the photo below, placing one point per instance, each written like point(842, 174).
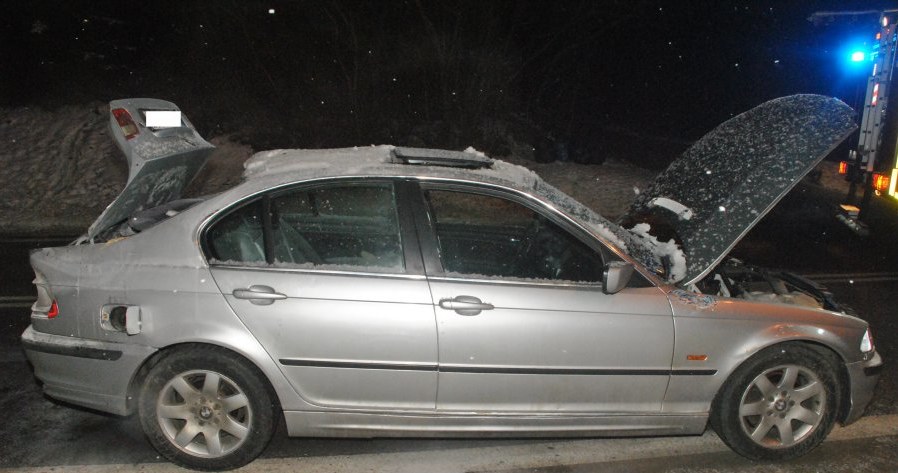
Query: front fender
point(716, 334)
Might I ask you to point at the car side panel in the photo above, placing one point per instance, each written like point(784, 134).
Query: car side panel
point(553, 348)
point(476, 424)
point(162, 272)
point(58, 270)
point(84, 372)
point(729, 331)
point(344, 340)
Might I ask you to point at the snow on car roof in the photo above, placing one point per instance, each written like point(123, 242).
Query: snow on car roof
point(383, 158)
point(301, 164)
point(339, 161)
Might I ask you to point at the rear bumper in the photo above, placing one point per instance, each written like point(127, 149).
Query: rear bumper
point(862, 377)
point(85, 372)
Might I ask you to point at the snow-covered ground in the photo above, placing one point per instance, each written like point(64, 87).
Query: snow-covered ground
point(61, 168)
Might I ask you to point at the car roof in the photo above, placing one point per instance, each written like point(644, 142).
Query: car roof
point(289, 165)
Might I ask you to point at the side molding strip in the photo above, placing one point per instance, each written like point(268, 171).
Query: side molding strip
point(492, 369)
point(76, 351)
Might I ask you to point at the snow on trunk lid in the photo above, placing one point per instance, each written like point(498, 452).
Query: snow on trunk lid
point(162, 160)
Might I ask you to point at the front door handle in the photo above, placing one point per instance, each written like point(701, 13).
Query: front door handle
point(465, 305)
point(259, 295)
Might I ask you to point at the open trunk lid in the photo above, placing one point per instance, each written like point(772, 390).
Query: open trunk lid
point(727, 181)
point(164, 153)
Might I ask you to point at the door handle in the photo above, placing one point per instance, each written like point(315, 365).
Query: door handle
point(259, 295)
point(465, 305)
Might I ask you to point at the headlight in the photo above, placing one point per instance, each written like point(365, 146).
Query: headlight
point(867, 342)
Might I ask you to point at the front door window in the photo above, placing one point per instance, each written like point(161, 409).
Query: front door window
point(485, 235)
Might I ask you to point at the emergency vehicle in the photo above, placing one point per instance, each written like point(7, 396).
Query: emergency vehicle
point(873, 164)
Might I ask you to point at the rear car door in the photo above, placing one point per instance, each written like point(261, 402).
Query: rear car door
point(329, 282)
point(524, 325)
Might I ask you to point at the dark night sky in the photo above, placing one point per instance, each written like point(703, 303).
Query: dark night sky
point(339, 72)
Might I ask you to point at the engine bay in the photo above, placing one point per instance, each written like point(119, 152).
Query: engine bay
point(734, 278)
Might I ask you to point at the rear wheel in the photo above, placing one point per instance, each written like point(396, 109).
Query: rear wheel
point(207, 409)
point(780, 404)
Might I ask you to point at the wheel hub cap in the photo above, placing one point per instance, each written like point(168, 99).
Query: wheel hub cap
point(203, 413)
point(782, 402)
point(782, 406)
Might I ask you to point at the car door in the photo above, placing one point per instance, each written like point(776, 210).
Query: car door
point(523, 323)
point(332, 287)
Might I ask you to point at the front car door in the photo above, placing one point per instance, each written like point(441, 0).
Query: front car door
point(523, 323)
point(326, 279)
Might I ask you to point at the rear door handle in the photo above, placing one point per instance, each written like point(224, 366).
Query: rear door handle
point(465, 305)
point(259, 295)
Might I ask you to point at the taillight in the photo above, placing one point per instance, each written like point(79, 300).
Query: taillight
point(54, 310)
point(125, 122)
point(880, 182)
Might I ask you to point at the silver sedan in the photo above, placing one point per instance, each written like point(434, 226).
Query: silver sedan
point(386, 291)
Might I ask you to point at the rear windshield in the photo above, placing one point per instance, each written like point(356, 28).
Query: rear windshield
point(143, 219)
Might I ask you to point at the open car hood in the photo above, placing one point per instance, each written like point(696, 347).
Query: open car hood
point(162, 158)
point(712, 195)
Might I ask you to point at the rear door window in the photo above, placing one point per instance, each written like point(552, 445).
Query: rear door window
point(351, 225)
point(238, 237)
point(346, 226)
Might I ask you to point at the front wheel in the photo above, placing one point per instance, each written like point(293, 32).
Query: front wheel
point(779, 405)
point(207, 409)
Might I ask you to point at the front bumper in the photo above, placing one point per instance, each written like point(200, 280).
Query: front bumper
point(862, 377)
point(86, 373)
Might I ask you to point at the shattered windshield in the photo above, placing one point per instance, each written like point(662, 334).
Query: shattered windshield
point(638, 246)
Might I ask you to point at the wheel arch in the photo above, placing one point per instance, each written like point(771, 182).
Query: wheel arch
point(140, 375)
point(754, 428)
point(841, 370)
point(837, 361)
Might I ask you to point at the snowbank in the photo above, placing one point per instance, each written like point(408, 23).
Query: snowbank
point(60, 169)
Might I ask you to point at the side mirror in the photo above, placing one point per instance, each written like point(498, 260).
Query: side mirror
point(616, 276)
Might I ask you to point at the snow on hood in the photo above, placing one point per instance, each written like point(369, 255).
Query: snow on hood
point(712, 195)
point(667, 252)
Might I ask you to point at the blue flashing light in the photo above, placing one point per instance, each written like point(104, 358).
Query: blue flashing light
point(854, 56)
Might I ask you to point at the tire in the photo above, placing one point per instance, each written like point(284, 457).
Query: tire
point(206, 408)
point(780, 404)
